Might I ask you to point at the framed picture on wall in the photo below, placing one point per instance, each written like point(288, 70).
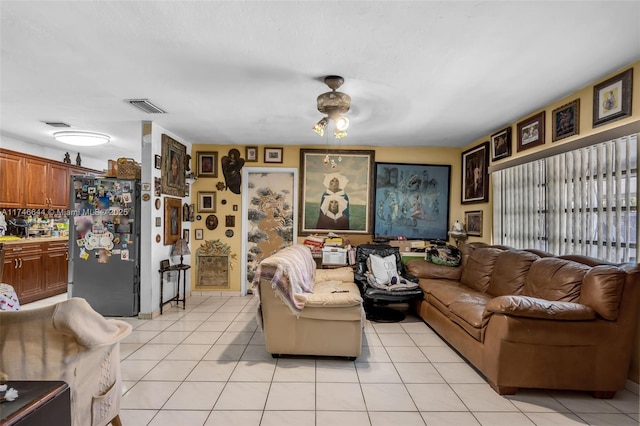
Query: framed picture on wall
point(349, 184)
point(531, 132)
point(501, 144)
point(207, 164)
point(474, 223)
point(172, 220)
point(272, 155)
point(612, 98)
point(173, 161)
point(251, 154)
point(206, 202)
point(199, 234)
point(475, 177)
point(566, 120)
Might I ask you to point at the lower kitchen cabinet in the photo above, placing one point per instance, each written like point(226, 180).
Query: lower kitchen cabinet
point(36, 270)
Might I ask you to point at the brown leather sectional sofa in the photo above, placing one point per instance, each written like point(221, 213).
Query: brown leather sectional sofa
point(526, 319)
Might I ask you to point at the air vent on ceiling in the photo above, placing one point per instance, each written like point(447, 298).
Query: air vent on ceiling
point(56, 124)
point(145, 106)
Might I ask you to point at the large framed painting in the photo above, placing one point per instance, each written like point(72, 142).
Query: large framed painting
point(336, 191)
point(412, 201)
point(475, 174)
point(174, 156)
point(269, 219)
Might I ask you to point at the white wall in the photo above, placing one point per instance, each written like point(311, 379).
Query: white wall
point(151, 252)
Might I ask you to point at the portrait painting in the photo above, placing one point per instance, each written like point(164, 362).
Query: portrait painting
point(612, 98)
point(172, 220)
point(475, 177)
point(336, 191)
point(207, 164)
point(174, 155)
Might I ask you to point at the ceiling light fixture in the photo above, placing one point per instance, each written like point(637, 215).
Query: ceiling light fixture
point(81, 138)
point(334, 104)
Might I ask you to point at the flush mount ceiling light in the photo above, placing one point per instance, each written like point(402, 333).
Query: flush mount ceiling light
point(333, 104)
point(81, 138)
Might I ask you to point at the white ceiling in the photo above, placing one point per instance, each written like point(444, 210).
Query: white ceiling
point(420, 73)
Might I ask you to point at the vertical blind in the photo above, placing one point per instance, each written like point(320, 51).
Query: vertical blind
point(578, 202)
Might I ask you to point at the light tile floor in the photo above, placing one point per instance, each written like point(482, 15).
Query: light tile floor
point(207, 365)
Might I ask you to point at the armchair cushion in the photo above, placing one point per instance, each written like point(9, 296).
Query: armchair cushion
point(383, 269)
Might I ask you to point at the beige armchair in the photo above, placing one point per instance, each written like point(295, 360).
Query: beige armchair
point(68, 341)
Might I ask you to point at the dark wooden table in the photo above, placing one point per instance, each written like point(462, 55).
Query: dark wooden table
point(38, 404)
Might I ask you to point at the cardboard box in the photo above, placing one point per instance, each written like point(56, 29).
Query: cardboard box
point(334, 256)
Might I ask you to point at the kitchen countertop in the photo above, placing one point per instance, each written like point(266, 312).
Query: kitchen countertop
point(34, 240)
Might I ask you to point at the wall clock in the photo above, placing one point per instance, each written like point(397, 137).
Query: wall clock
point(211, 222)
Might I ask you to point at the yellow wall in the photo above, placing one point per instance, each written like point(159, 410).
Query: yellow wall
point(586, 129)
point(291, 158)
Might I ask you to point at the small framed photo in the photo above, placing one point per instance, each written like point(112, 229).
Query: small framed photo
point(501, 144)
point(251, 154)
point(475, 174)
point(612, 98)
point(158, 162)
point(272, 155)
point(207, 164)
point(206, 202)
point(230, 221)
point(566, 120)
point(185, 235)
point(158, 222)
point(531, 132)
point(199, 234)
point(474, 223)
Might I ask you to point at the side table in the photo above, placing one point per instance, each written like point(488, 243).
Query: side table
point(39, 403)
point(181, 271)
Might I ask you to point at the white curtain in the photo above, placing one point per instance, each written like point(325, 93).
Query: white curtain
point(579, 202)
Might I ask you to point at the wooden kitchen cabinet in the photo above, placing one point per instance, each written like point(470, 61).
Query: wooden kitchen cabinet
point(11, 188)
point(56, 265)
point(24, 271)
point(29, 182)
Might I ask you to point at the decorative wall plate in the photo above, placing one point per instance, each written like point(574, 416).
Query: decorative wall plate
point(158, 203)
point(146, 197)
point(158, 238)
point(211, 222)
point(229, 233)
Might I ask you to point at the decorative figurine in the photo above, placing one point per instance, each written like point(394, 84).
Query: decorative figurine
point(67, 158)
point(78, 160)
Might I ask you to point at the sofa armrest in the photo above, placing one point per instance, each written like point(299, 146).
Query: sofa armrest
point(423, 269)
point(531, 307)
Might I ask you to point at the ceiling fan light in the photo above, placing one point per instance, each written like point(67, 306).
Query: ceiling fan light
point(81, 138)
point(339, 134)
point(320, 126)
point(342, 123)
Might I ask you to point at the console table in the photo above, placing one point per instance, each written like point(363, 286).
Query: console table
point(38, 404)
point(181, 271)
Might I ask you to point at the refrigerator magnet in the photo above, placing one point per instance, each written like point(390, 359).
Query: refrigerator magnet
point(126, 197)
point(124, 255)
point(83, 254)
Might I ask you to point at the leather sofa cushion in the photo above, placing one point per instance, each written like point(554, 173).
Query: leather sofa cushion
point(449, 294)
point(555, 279)
point(423, 269)
point(531, 307)
point(476, 273)
point(602, 289)
point(510, 272)
point(469, 317)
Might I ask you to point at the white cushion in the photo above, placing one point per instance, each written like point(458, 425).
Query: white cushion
point(383, 269)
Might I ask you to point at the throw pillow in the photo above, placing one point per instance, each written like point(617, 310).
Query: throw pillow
point(383, 269)
point(444, 255)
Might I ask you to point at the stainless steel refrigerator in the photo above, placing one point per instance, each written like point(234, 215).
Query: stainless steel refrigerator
point(104, 244)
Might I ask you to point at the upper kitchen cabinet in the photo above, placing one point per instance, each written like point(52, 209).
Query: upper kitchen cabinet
point(11, 186)
point(30, 182)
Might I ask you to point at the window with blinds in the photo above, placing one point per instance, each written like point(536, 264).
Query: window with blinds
point(578, 202)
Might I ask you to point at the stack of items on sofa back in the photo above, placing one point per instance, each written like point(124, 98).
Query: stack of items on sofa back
point(529, 319)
